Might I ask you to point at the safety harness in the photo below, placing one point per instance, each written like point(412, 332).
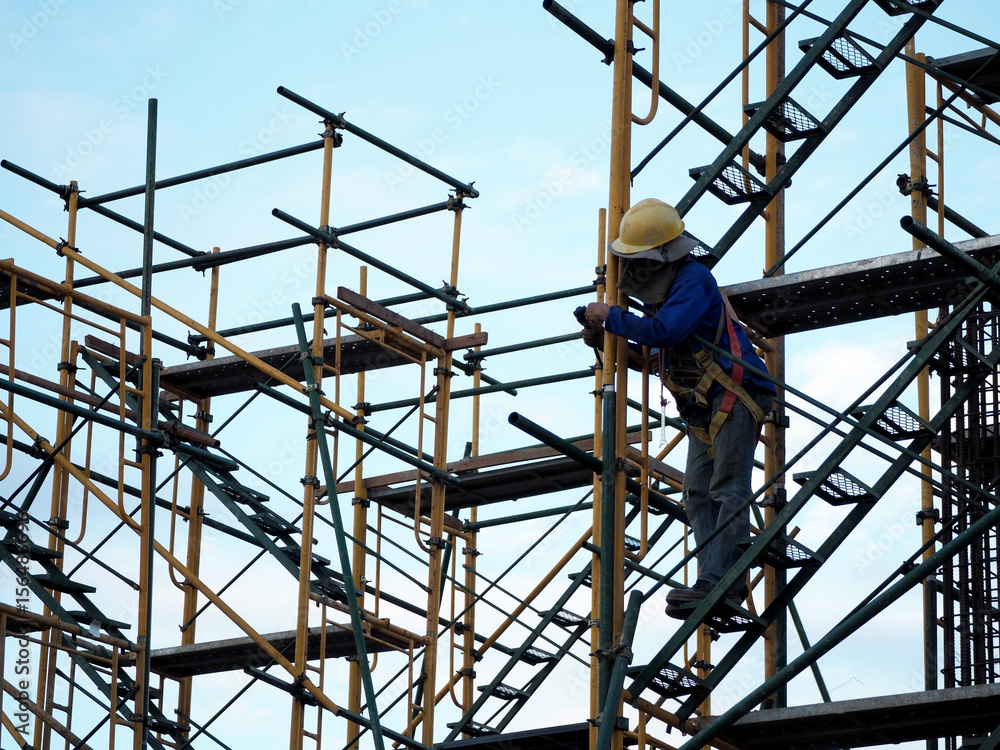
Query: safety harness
point(689, 376)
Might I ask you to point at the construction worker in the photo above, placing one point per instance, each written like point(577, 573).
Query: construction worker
point(722, 403)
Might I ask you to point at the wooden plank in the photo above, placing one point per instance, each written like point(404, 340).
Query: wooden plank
point(468, 341)
point(383, 313)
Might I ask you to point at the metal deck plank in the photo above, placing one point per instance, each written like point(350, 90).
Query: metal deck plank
point(865, 722)
point(236, 653)
point(224, 375)
point(852, 292)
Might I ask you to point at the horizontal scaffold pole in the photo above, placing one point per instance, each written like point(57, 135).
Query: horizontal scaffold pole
point(206, 261)
point(591, 462)
point(949, 251)
point(522, 302)
point(365, 437)
point(332, 240)
point(202, 174)
point(339, 122)
point(507, 387)
point(63, 191)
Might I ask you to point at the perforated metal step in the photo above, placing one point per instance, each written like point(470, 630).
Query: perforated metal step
point(907, 6)
point(725, 617)
point(59, 582)
point(897, 423)
point(504, 692)
point(673, 681)
point(474, 729)
point(840, 488)
point(566, 619)
point(273, 524)
point(844, 58)
point(535, 656)
point(787, 121)
point(31, 550)
point(733, 184)
point(784, 553)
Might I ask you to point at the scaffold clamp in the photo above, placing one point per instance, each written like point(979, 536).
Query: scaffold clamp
point(928, 514)
point(62, 245)
point(779, 420)
point(907, 186)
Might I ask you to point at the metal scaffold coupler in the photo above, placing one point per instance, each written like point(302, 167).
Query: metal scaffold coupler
point(928, 514)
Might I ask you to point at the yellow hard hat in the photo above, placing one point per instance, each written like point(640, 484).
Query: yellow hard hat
point(648, 224)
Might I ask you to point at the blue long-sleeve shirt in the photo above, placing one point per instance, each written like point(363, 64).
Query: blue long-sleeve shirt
point(693, 307)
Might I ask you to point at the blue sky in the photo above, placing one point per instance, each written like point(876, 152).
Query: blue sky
point(498, 94)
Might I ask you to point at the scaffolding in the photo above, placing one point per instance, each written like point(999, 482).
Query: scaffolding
point(350, 605)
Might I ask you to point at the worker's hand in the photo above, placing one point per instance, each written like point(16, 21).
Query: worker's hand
point(596, 313)
point(593, 336)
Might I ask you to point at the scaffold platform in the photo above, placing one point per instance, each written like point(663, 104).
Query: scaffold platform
point(237, 653)
point(883, 720)
point(857, 291)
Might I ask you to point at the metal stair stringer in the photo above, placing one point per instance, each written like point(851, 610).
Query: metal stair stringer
point(577, 630)
point(922, 354)
point(265, 526)
point(774, 106)
point(158, 721)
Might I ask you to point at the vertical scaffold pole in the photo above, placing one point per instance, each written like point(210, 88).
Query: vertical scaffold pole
point(776, 643)
point(360, 501)
point(314, 368)
point(915, 111)
point(323, 449)
point(60, 478)
point(148, 452)
point(609, 533)
point(469, 619)
point(436, 543)
point(196, 515)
